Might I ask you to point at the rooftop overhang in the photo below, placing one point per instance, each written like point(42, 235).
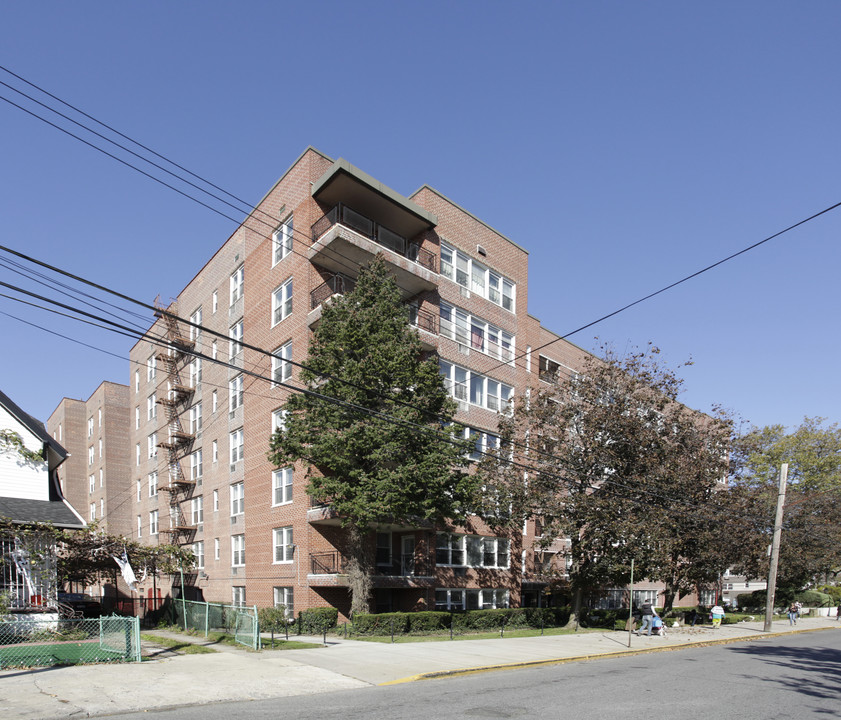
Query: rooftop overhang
point(344, 183)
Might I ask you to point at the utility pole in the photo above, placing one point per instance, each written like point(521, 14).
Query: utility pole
point(775, 548)
point(631, 606)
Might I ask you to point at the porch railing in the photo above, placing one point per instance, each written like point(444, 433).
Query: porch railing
point(326, 563)
point(341, 214)
point(336, 285)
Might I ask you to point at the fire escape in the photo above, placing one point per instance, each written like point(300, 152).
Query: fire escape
point(178, 441)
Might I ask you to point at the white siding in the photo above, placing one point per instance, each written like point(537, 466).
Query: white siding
point(21, 478)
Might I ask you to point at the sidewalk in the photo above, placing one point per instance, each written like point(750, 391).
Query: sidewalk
point(233, 674)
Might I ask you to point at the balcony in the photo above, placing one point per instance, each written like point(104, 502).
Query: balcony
point(344, 239)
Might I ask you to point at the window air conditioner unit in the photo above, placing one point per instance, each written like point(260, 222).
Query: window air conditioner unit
point(481, 251)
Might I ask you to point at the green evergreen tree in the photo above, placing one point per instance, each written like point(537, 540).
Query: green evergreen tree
point(373, 469)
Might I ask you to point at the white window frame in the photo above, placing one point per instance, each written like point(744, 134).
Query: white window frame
point(237, 283)
point(238, 550)
point(151, 407)
point(152, 445)
point(237, 443)
point(151, 367)
point(197, 510)
point(153, 483)
point(282, 302)
point(195, 419)
point(282, 239)
point(281, 364)
point(285, 597)
point(282, 480)
point(196, 465)
point(195, 332)
point(478, 278)
point(471, 387)
point(195, 372)
point(279, 419)
point(465, 328)
point(235, 393)
point(283, 545)
point(238, 595)
point(237, 499)
point(198, 552)
point(235, 342)
point(153, 522)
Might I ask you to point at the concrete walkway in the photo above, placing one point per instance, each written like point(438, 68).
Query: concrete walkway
point(234, 674)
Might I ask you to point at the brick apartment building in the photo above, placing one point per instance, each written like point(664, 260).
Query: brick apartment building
point(198, 431)
point(96, 477)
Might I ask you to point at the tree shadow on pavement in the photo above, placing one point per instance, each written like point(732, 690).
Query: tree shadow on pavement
point(821, 667)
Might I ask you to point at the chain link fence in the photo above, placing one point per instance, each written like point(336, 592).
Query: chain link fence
point(45, 641)
point(239, 621)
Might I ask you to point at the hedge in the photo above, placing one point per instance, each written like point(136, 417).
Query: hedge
point(467, 621)
point(317, 620)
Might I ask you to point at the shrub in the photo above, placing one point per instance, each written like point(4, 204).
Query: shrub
point(381, 623)
point(834, 591)
point(272, 619)
point(428, 620)
point(316, 621)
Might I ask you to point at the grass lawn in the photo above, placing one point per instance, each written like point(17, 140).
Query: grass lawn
point(181, 647)
point(220, 638)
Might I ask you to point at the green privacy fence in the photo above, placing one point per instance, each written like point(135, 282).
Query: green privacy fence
point(239, 621)
point(39, 641)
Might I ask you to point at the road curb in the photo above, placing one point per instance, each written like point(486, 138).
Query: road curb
point(437, 674)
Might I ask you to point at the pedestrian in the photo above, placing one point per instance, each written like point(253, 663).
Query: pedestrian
point(838, 612)
point(691, 617)
point(718, 615)
point(648, 614)
point(792, 614)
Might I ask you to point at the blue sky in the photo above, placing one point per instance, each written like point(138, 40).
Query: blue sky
point(624, 145)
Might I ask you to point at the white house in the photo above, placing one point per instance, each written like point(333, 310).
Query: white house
point(29, 493)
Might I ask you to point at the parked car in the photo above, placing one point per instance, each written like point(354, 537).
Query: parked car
point(82, 603)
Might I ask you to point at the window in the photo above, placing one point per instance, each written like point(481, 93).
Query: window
point(90, 426)
point(216, 548)
point(137, 381)
point(236, 284)
point(281, 366)
point(151, 367)
point(215, 501)
point(446, 599)
point(236, 446)
point(102, 507)
point(383, 556)
point(476, 333)
point(283, 547)
point(282, 302)
point(283, 597)
point(237, 550)
point(474, 276)
point(466, 385)
point(152, 445)
point(215, 300)
point(137, 453)
point(235, 390)
point(100, 448)
point(282, 241)
point(235, 334)
point(198, 552)
point(196, 465)
point(137, 418)
point(151, 407)
point(91, 483)
point(215, 450)
point(101, 477)
point(238, 596)
point(195, 419)
point(195, 372)
point(93, 511)
point(195, 332)
point(153, 522)
point(237, 499)
point(214, 402)
point(472, 551)
point(282, 486)
point(139, 525)
point(278, 420)
point(139, 490)
point(214, 350)
point(91, 455)
point(153, 483)
point(197, 510)
point(484, 442)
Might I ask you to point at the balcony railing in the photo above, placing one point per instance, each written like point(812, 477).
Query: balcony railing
point(326, 563)
point(336, 285)
point(423, 319)
point(400, 566)
point(343, 215)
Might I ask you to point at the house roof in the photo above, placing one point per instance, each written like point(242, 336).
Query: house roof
point(35, 426)
point(25, 511)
